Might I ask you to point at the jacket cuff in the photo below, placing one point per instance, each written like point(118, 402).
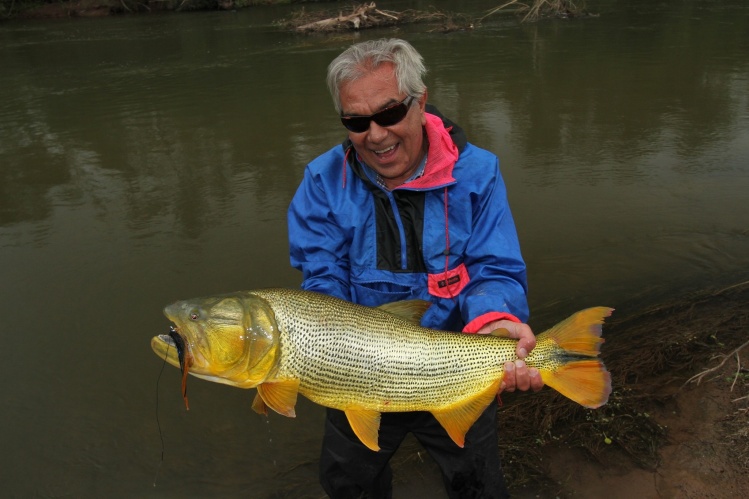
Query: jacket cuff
point(482, 320)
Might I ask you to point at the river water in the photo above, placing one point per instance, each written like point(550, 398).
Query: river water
point(151, 158)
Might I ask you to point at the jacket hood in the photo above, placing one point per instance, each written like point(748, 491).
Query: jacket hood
point(457, 134)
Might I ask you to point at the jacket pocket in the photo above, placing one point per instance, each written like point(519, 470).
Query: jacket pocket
point(374, 291)
point(448, 284)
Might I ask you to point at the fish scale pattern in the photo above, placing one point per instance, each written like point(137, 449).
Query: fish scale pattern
point(347, 355)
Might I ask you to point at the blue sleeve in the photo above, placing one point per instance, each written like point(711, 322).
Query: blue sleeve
point(498, 281)
point(318, 245)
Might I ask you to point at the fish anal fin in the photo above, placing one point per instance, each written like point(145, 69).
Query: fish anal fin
point(408, 310)
point(586, 382)
point(458, 419)
point(258, 405)
point(280, 396)
point(366, 426)
point(581, 332)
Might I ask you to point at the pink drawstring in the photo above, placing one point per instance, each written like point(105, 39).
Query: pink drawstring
point(447, 241)
point(345, 158)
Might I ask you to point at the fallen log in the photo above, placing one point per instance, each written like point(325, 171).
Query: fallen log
point(364, 16)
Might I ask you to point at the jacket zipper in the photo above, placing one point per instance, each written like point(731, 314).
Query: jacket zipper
point(401, 230)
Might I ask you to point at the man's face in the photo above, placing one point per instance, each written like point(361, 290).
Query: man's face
point(394, 152)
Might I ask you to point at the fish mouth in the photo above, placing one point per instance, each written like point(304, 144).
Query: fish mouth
point(179, 344)
point(169, 338)
point(163, 345)
point(171, 345)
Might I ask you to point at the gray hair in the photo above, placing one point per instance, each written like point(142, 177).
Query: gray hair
point(364, 57)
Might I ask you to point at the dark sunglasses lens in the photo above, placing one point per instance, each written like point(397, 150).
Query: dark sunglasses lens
point(386, 117)
point(356, 124)
point(391, 115)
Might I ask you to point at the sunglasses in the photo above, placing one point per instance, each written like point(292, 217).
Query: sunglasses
point(389, 116)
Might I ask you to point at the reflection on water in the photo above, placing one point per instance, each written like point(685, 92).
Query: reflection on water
point(151, 158)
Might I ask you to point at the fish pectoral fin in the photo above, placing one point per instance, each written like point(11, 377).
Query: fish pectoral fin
point(366, 426)
point(458, 419)
point(408, 310)
point(258, 405)
point(279, 396)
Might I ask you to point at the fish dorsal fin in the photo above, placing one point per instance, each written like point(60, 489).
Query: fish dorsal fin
point(259, 406)
point(408, 310)
point(279, 396)
point(366, 425)
point(458, 419)
point(501, 332)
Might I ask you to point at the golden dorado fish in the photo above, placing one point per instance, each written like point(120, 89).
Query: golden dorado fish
point(366, 361)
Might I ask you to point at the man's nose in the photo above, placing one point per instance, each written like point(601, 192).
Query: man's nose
point(377, 133)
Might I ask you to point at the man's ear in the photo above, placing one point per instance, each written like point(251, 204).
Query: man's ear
point(422, 107)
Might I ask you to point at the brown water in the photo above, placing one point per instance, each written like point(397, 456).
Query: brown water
point(146, 159)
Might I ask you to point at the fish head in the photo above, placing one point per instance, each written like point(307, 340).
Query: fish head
point(230, 339)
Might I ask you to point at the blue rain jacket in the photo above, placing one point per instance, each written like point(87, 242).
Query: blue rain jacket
point(449, 239)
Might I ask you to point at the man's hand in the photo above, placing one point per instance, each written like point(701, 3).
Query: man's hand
point(517, 374)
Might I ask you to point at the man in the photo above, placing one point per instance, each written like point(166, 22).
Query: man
point(407, 208)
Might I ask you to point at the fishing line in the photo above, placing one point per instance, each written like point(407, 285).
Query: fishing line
point(158, 423)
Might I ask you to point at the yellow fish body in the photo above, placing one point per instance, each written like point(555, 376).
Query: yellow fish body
point(365, 361)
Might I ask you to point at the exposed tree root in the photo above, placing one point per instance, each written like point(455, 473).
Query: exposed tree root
point(735, 353)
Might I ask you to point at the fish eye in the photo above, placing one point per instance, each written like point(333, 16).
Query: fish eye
point(194, 315)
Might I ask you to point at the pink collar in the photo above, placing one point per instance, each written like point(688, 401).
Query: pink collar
point(441, 158)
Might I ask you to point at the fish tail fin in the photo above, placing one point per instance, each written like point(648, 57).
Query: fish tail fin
point(586, 382)
point(575, 343)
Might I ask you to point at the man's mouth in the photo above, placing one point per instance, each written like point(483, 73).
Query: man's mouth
point(386, 152)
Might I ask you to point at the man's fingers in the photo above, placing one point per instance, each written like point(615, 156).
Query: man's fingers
point(536, 382)
point(522, 380)
point(508, 380)
point(518, 376)
point(526, 343)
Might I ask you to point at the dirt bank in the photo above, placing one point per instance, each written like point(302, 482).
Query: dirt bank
point(71, 8)
point(703, 454)
point(101, 8)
